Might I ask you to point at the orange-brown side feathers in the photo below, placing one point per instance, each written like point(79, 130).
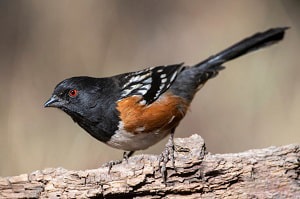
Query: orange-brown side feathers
point(163, 114)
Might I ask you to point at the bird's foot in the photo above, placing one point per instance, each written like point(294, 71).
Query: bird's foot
point(165, 156)
point(110, 164)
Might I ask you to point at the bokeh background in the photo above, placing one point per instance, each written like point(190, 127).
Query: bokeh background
point(254, 103)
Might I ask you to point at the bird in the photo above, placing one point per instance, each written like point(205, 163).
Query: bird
point(135, 110)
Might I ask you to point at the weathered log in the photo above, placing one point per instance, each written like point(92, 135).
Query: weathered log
point(261, 173)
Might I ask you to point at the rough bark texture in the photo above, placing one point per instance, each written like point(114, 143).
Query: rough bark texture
point(264, 173)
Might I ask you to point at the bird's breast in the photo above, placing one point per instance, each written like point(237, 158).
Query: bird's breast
point(143, 125)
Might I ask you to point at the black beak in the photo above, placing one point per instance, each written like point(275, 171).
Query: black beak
point(54, 101)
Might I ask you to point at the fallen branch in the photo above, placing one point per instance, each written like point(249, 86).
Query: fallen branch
point(264, 173)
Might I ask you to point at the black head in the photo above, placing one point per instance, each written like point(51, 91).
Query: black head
point(90, 102)
point(75, 95)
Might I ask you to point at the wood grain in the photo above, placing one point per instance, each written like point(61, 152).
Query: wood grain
point(261, 173)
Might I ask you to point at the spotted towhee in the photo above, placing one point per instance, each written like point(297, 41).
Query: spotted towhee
point(135, 110)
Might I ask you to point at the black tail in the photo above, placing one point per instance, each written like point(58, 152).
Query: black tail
point(247, 45)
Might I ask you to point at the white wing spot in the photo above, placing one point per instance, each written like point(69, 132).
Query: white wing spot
point(135, 86)
point(142, 102)
point(146, 86)
point(142, 92)
point(173, 76)
point(138, 78)
point(135, 78)
point(161, 86)
point(148, 81)
point(126, 92)
point(163, 75)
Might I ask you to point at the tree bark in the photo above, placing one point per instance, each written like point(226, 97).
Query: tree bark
point(261, 173)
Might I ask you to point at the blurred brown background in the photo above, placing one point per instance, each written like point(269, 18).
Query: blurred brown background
point(254, 103)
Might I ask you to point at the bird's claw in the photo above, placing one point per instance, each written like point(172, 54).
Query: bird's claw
point(165, 156)
point(110, 164)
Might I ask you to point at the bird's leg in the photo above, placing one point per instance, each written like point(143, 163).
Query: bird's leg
point(166, 155)
point(126, 155)
point(110, 164)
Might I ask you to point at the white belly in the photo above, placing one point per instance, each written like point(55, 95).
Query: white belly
point(134, 142)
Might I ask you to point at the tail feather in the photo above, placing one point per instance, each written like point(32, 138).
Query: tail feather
point(252, 43)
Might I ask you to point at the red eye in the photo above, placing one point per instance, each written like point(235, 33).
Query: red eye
point(73, 93)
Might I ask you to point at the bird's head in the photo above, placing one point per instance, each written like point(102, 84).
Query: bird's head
point(75, 95)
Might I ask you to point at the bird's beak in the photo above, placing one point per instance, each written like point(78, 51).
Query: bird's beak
point(54, 101)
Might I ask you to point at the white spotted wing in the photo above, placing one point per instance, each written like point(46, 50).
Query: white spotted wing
point(149, 83)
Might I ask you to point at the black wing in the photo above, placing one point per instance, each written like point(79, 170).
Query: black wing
point(150, 83)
